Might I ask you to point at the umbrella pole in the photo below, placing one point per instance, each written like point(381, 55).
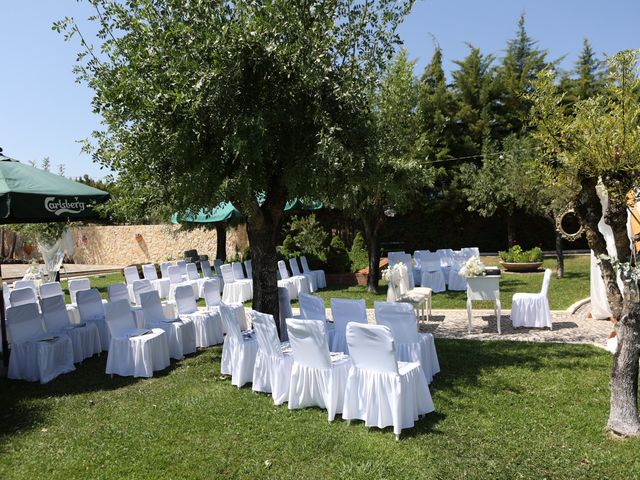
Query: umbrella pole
point(3, 326)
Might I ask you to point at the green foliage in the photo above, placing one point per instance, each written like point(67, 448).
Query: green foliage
point(516, 255)
point(358, 254)
point(337, 256)
point(48, 233)
point(289, 248)
point(306, 237)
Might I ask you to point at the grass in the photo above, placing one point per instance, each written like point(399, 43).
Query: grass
point(562, 292)
point(505, 410)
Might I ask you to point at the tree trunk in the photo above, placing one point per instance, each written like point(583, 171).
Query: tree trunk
point(559, 255)
point(262, 228)
point(12, 250)
point(221, 240)
point(623, 414)
point(372, 228)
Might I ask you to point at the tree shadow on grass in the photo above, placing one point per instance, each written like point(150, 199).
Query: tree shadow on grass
point(21, 407)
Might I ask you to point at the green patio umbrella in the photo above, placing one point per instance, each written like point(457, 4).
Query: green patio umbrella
point(31, 195)
point(226, 211)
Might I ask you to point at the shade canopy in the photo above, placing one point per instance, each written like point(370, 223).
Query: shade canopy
point(31, 195)
point(226, 211)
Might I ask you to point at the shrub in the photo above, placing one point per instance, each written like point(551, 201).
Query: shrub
point(337, 256)
point(517, 255)
point(358, 255)
point(307, 238)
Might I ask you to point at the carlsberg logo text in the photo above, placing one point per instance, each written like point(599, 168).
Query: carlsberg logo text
point(60, 206)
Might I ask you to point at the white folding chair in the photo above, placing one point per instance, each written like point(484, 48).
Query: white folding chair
point(312, 308)
point(295, 271)
point(36, 356)
point(235, 291)
point(318, 378)
point(411, 346)
point(380, 390)
point(77, 284)
point(85, 338)
point(272, 372)
point(133, 351)
point(181, 334)
point(321, 280)
point(50, 289)
point(91, 310)
point(20, 296)
point(532, 309)
point(238, 350)
point(131, 274)
point(343, 311)
point(300, 282)
point(162, 285)
point(249, 268)
point(208, 325)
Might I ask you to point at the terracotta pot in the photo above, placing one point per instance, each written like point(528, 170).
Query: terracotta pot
point(521, 267)
point(27, 248)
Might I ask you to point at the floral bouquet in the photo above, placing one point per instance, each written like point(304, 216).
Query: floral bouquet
point(473, 268)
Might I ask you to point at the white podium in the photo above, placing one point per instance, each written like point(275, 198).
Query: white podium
point(484, 288)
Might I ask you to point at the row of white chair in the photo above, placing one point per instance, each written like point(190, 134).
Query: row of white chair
point(371, 384)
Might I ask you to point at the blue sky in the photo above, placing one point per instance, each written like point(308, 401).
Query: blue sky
point(45, 113)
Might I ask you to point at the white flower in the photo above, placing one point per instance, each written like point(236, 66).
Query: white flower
point(472, 267)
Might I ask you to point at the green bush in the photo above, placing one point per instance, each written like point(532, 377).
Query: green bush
point(358, 255)
point(289, 248)
point(337, 256)
point(517, 255)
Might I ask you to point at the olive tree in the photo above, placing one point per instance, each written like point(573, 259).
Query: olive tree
point(252, 102)
point(594, 146)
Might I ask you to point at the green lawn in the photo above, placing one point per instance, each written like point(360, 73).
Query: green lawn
point(562, 292)
point(505, 410)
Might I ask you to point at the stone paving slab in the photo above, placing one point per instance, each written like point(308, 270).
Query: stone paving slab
point(15, 271)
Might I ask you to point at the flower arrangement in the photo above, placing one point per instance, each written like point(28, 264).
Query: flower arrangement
point(473, 268)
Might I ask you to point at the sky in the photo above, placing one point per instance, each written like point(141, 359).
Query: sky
point(45, 113)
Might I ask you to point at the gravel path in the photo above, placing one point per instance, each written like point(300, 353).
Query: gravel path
point(567, 327)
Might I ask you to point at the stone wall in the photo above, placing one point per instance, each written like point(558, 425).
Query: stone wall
point(127, 244)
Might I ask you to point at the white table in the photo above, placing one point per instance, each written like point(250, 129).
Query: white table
point(484, 288)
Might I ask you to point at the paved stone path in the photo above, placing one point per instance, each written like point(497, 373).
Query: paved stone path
point(15, 271)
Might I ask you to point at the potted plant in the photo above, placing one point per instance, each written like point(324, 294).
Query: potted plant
point(27, 247)
point(518, 260)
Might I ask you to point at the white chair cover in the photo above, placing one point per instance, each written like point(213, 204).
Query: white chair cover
point(218, 272)
point(343, 311)
point(117, 291)
point(133, 351)
point(208, 325)
point(321, 280)
point(272, 372)
point(238, 350)
point(532, 309)
point(211, 294)
point(85, 339)
point(238, 273)
point(469, 252)
point(411, 346)
point(35, 355)
point(249, 268)
point(295, 270)
point(380, 390)
point(205, 266)
point(300, 282)
point(404, 258)
point(457, 282)
point(164, 269)
point(285, 311)
point(312, 308)
point(131, 274)
point(432, 276)
point(235, 291)
point(178, 278)
point(162, 285)
point(50, 289)
point(20, 296)
point(140, 287)
point(181, 334)
point(77, 284)
point(317, 378)
point(91, 310)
